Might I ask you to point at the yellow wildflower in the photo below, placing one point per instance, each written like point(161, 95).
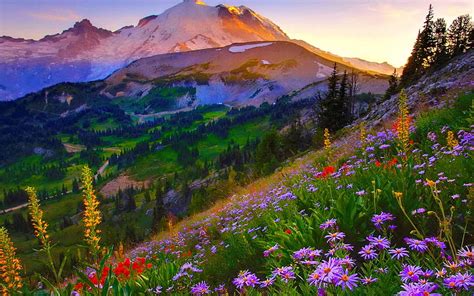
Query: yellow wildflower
point(398, 195)
point(10, 266)
point(403, 123)
point(327, 139)
point(92, 216)
point(451, 140)
point(430, 183)
point(40, 226)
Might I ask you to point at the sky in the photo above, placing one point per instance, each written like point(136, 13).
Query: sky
point(375, 30)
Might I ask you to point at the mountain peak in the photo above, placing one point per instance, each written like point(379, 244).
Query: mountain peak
point(85, 26)
point(85, 23)
point(198, 2)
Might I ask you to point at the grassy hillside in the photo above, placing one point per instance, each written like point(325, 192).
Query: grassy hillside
point(147, 154)
point(372, 211)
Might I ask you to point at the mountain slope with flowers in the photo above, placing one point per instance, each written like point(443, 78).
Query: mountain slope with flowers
point(372, 220)
point(385, 208)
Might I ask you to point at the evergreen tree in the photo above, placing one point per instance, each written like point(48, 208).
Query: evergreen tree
point(75, 185)
point(344, 101)
point(326, 105)
point(268, 153)
point(459, 35)
point(441, 53)
point(413, 67)
point(334, 111)
point(422, 53)
point(159, 211)
point(332, 83)
point(392, 85)
point(427, 39)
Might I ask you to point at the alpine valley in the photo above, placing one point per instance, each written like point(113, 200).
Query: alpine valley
point(204, 151)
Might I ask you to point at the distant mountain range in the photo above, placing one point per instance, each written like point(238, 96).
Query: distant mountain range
point(85, 52)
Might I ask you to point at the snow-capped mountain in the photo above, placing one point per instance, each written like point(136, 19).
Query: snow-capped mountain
point(84, 52)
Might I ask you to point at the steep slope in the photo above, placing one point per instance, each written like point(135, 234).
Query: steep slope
point(85, 53)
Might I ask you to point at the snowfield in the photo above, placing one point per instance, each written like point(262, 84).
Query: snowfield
point(243, 48)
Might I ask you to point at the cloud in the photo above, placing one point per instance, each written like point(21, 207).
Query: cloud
point(56, 15)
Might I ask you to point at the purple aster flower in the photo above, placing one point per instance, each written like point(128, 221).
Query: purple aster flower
point(346, 247)
point(220, 289)
point(380, 219)
point(368, 253)
point(302, 253)
point(245, 279)
point(440, 273)
point(418, 211)
point(180, 275)
point(267, 283)
point(328, 269)
point(419, 289)
point(411, 273)
point(398, 253)
point(416, 245)
point(432, 136)
point(428, 273)
point(316, 279)
point(346, 280)
point(346, 262)
point(328, 224)
point(465, 281)
point(360, 193)
point(200, 289)
point(467, 252)
point(451, 282)
point(368, 280)
point(435, 242)
point(379, 242)
point(392, 227)
point(267, 253)
point(335, 236)
point(384, 146)
point(286, 273)
point(314, 253)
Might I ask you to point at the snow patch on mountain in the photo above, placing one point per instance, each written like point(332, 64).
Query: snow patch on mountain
point(243, 48)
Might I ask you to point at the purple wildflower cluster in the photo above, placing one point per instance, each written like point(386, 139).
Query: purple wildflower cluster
point(422, 266)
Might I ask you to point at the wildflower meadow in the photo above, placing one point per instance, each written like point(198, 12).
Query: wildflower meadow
point(393, 215)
